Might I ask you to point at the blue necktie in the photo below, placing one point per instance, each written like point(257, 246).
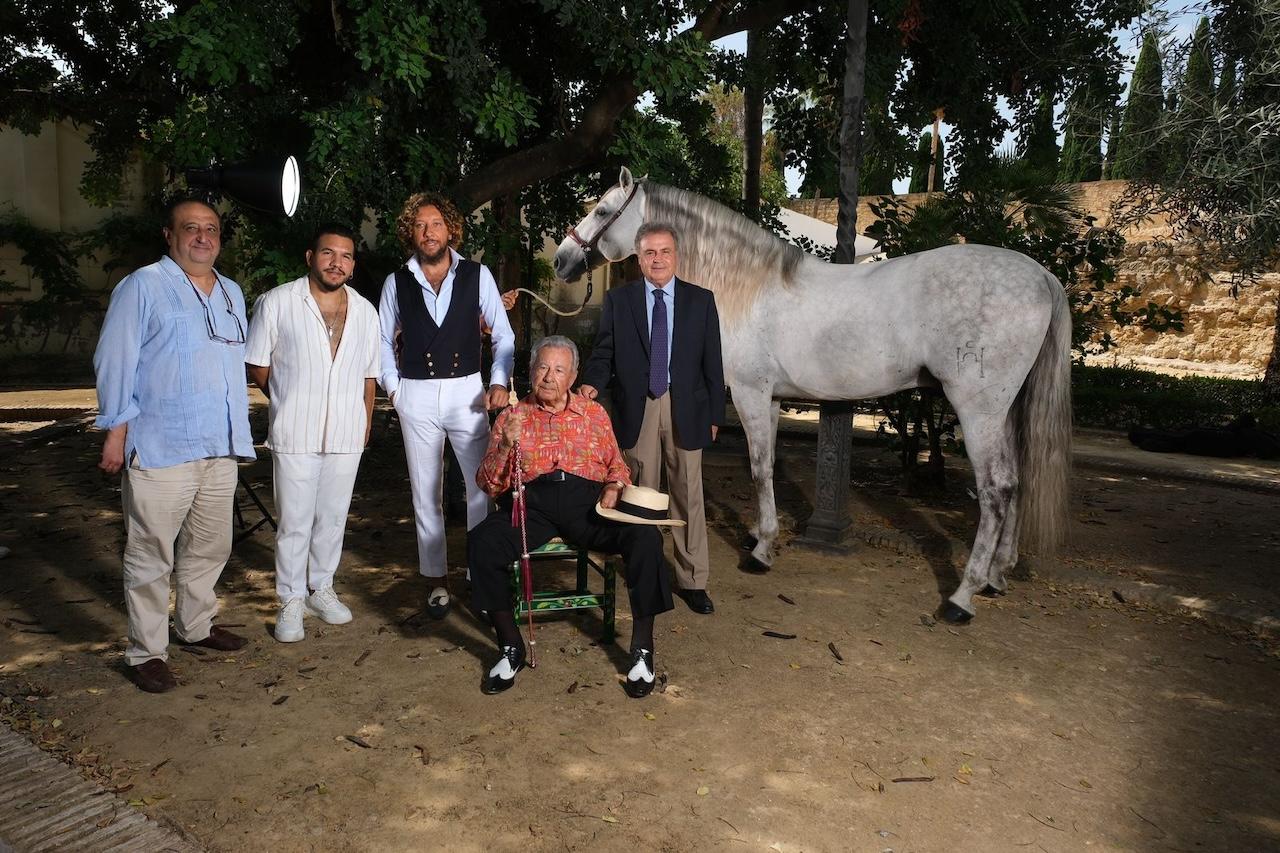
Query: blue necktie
point(658, 346)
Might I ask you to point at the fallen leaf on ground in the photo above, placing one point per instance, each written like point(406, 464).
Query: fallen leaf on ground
point(703, 791)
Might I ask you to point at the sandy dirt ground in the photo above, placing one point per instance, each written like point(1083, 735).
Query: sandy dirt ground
point(1061, 719)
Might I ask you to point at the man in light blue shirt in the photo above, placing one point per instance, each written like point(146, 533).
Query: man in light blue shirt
point(173, 398)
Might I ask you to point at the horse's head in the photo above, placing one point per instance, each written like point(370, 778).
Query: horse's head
point(607, 233)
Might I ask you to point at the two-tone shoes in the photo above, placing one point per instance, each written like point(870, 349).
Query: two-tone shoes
point(640, 678)
point(503, 674)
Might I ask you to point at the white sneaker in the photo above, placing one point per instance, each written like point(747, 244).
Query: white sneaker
point(289, 622)
point(324, 603)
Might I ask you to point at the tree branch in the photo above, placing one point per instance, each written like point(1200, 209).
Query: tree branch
point(591, 137)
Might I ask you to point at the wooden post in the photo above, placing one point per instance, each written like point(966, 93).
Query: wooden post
point(933, 146)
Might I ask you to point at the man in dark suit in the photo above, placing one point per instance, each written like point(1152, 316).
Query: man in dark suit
point(659, 345)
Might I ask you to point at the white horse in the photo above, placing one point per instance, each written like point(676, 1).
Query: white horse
point(988, 326)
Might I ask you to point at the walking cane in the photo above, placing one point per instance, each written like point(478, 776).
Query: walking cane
point(520, 518)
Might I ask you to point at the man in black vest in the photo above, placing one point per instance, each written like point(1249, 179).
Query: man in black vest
point(435, 304)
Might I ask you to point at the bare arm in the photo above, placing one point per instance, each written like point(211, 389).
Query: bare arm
point(260, 376)
point(370, 388)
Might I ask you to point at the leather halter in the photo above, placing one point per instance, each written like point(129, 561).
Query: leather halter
point(589, 246)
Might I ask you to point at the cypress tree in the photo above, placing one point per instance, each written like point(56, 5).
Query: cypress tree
point(1040, 141)
point(1113, 137)
point(1195, 102)
point(1081, 137)
point(1138, 155)
point(1226, 94)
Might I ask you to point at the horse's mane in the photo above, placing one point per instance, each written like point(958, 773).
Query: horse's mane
point(721, 250)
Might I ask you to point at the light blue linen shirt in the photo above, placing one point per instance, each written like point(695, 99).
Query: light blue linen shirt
point(669, 297)
point(491, 310)
point(183, 394)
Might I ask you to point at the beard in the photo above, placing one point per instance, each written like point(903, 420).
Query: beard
point(423, 257)
point(319, 277)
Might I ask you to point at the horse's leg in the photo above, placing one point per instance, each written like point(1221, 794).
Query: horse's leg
point(1006, 556)
point(759, 416)
point(989, 444)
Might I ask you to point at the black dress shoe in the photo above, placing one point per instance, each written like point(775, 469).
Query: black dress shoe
point(697, 599)
point(496, 683)
point(438, 603)
point(639, 688)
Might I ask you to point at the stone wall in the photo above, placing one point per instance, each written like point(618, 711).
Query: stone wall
point(1222, 335)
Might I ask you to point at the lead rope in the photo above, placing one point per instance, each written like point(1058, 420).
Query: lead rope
point(553, 309)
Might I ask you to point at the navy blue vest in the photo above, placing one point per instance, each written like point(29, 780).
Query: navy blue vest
point(451, 349)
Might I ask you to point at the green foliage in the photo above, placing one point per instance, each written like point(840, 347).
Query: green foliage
point(1138, 155)
point(1038, 145)
point(1228, 89)
point(54, 257)
point(1113, 146)
point(1082, 137)
point(920, 168)
point(1122, 397)
point(1195, 103)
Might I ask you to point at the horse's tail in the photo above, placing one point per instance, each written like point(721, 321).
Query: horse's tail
point(1043, 430)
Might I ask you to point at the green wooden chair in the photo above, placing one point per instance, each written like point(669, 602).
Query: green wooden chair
point(579, 598)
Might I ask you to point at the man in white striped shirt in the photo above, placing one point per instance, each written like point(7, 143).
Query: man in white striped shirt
point(313, 350)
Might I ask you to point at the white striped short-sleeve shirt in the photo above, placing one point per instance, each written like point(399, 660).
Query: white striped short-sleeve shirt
point(317, 400)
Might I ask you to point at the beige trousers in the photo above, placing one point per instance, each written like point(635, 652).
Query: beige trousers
point(655, 452)
point(178, 521)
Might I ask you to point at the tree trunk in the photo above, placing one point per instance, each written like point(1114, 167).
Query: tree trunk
point(753, 121)
point(829, 524)
point(855, 66)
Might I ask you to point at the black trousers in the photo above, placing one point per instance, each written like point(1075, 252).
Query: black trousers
point(566, 509)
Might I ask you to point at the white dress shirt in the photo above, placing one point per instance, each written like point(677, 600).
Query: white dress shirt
point(495, 317)
point(317, 397)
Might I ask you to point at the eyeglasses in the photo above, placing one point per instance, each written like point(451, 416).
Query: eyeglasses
point(208, 315)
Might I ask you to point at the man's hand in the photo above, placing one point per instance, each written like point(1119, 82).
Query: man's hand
point(497, 398)
point(511, 429)
point(715, 430)
point(509, 299)
point(113, 450)
point(368, 433)
point(609, 496)
point(588, 391)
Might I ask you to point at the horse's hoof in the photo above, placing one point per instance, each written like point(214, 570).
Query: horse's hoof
point(754, 566)
point(955, 614)
point(749, 542)
point(990, 591)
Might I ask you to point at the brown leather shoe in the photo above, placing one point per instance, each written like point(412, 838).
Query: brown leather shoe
point(221, 639)
point(153, 676)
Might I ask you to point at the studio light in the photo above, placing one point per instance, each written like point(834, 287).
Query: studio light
point(271, 185)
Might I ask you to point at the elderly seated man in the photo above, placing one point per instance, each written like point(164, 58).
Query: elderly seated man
point(570, 462)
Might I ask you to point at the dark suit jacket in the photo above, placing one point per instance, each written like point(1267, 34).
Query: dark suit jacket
point(620, 361)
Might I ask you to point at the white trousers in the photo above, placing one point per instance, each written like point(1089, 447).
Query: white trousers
point(178, 522)
point(313, 495)
point(431, 410)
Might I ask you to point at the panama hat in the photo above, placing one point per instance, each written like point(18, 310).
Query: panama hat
point(640, 505)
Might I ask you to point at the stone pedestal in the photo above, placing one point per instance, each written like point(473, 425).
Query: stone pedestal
point(828, 528)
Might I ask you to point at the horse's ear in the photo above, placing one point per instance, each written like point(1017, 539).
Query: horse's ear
point(624, 178)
